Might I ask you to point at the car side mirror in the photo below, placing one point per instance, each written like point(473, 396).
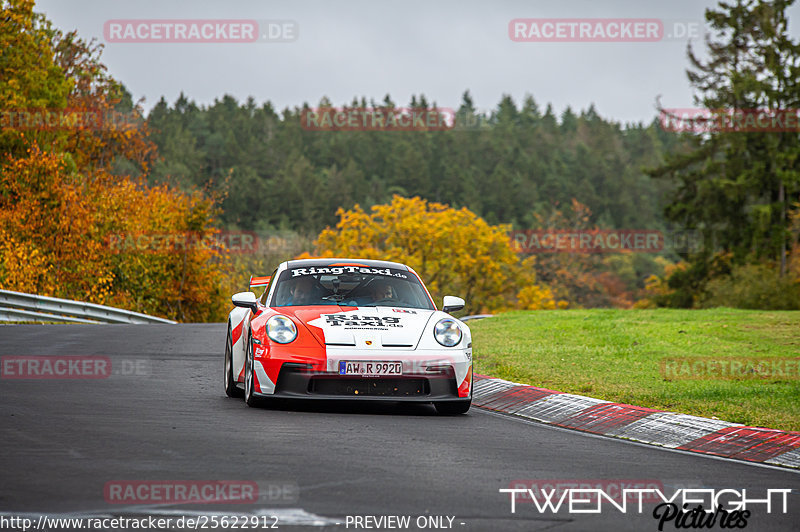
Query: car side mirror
point(452, 304)
point(245, 300)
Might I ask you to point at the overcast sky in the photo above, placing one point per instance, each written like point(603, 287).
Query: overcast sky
point(347, 49)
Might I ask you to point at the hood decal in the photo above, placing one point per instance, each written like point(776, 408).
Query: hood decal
point(363, 321)
point(381, 326)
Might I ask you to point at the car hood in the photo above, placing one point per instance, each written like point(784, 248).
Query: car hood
point(364, 327)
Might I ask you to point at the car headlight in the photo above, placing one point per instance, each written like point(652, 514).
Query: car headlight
point(447, 332)
point(281, 329)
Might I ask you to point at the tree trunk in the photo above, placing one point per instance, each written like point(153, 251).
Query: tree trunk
point(781, 196)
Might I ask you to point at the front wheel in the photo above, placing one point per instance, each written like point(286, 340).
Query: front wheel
point(231, 390)
point(249, 381)
point(453, 408)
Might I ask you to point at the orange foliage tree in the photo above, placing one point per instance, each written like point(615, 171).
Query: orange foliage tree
point(62, 202)
point(794, 256)
point(583, 279)
point(454, 250)
point(58, 230)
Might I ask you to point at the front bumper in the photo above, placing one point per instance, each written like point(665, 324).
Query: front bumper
point(296, 382)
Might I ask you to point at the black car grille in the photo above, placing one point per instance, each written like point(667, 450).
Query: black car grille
point(369, 387)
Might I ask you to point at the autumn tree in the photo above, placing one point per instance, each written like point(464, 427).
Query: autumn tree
point(453, 250)
point(583, 277)
point(67, 192)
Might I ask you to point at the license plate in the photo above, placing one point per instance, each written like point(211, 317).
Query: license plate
point(370, 367)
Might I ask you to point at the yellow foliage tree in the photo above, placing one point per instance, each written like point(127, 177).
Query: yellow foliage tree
point(453, 250)
point(535, 297)
point(656, 287)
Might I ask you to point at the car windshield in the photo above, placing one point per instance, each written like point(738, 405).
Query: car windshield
point(350, 286)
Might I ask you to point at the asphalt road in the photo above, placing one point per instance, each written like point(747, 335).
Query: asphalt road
point(162, 415)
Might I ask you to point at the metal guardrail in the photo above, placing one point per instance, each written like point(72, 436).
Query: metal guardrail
point(18, 306)
point(12, 314)
point(476, 317)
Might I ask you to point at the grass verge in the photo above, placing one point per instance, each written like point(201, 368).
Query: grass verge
point(628, 356)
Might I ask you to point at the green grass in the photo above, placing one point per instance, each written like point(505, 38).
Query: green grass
point(616, 355)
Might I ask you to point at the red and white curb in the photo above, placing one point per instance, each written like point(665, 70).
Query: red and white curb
point(645, 425)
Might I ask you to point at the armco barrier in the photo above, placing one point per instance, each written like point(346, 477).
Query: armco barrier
point(18, 306)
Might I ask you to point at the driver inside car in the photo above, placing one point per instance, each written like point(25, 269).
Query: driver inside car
point(382, 291)
point(375, 291)
point(302, 292)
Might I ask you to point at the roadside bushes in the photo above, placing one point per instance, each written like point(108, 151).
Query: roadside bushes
point(753, 286)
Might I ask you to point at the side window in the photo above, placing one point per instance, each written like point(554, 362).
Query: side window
point(268, 288)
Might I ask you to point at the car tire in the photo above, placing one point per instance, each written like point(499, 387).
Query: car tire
point(231, 390)
point(249, 380)
point(452, 408)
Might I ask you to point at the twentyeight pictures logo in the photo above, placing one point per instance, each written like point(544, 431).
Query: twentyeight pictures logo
point(199, 31)
point(684, 508)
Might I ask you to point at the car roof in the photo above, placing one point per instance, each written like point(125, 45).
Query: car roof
point(321, 263)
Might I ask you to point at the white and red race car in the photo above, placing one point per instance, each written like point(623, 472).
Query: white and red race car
point(347, 329)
